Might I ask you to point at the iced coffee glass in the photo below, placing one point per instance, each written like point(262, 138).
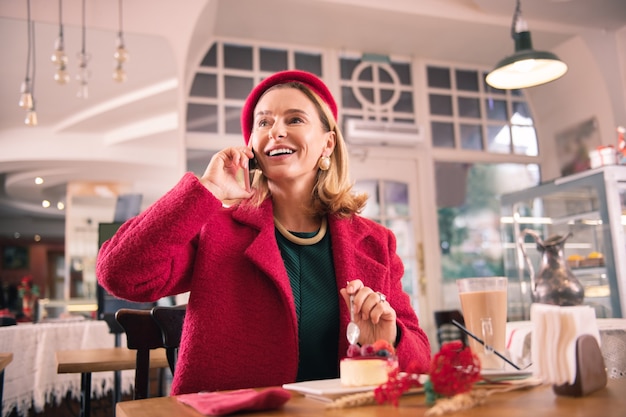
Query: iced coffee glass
point(483, 301)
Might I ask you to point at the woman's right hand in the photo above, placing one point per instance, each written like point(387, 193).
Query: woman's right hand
point(220, 177)
point(372, 313)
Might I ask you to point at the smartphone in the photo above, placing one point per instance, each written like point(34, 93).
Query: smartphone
point(252, 167)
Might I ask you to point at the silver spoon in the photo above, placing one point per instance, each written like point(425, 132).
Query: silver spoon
point(353, 332)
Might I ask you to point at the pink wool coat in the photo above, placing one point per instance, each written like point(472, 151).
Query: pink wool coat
point(241, 328)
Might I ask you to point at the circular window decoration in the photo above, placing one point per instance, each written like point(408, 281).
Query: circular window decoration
point(377, 104)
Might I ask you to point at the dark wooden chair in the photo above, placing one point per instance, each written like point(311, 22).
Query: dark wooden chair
point(143, 335)
point(116, 329)
point(170, 321)
point(446, 331)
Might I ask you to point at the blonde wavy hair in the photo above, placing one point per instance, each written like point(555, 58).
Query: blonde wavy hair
point(332, 193)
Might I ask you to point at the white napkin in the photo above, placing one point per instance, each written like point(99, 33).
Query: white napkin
point(553, 344)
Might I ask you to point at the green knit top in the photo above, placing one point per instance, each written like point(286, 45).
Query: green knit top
point(309, 263)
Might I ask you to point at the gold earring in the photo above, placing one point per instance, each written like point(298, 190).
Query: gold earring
point(324, 163)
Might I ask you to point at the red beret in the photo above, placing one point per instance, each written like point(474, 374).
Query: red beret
point(306, 78)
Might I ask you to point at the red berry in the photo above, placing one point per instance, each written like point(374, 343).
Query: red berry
point(354, 351)
point(382, 344)
point(367, 350)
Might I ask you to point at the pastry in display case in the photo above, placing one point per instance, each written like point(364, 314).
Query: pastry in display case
point(590, 207)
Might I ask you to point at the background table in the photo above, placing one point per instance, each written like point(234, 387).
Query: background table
point(612, 344)
point(32, 379)
point(5, 360)
point(87, 361)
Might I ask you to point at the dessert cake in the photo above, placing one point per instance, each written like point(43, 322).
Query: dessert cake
point(594, 259)
point(368, 364)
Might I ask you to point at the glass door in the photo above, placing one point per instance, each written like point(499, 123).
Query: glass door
point(468, 211)
point(391, 185)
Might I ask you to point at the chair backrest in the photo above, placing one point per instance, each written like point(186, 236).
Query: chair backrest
point(446, 331)
point(142, 334)
point(114, 327)
point(170, 321)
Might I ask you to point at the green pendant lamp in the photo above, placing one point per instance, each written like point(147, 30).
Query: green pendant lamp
point(526, 67)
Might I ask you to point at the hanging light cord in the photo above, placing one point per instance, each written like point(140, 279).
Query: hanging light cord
point(32, 41)
point(120, 19)
point(84, 31)
point(28, 35)
point(516, 15)
point(31, 51)
point(61, 19)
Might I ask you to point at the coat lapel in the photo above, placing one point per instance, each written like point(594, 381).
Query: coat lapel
point(352, 255)
point(350, 251)
point(263, 251)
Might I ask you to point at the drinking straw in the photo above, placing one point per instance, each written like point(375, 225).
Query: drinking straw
point(479, 340)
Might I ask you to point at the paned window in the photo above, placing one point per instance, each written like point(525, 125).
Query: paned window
point(466, 113)
point(227, 74)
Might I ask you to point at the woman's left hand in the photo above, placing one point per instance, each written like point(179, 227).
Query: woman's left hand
point(372, 313)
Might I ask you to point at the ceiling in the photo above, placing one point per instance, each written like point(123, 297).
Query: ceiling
point(128, 133)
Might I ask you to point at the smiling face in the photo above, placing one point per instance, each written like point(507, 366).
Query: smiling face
point(289, 138)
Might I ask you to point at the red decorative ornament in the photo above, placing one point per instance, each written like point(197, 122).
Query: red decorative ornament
point(397, 384)
point(454, 369)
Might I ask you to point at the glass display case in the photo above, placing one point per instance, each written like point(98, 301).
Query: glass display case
point(590, 205)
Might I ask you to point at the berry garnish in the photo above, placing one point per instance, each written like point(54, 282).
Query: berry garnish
point(354, 351)
point(383, 345)
point(383, 353)
point(368, 350)
point(379, 349)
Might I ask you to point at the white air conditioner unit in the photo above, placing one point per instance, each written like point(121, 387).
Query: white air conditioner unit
point(374, 133)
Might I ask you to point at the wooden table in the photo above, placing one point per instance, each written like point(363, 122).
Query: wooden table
point(5, 360)
point(86, 361)
point(538, 402)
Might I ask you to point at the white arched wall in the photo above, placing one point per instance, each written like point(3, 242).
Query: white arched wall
point(621, 59)
point(609, 51)
point(582, 93)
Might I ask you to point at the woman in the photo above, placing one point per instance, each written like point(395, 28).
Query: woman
point(266, 266)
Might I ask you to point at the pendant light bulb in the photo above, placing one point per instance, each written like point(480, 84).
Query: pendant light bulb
point(31, 117)
point(58, 56)
point(27, 89)
point(83, 90)
point(26, 96)
point(83, 76)
point(121, 53)
point(83, 59)
point(119, 74)
point(61, 76)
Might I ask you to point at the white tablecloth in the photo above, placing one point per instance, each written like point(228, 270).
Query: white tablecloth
point(612, 344)
point(31, 379)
